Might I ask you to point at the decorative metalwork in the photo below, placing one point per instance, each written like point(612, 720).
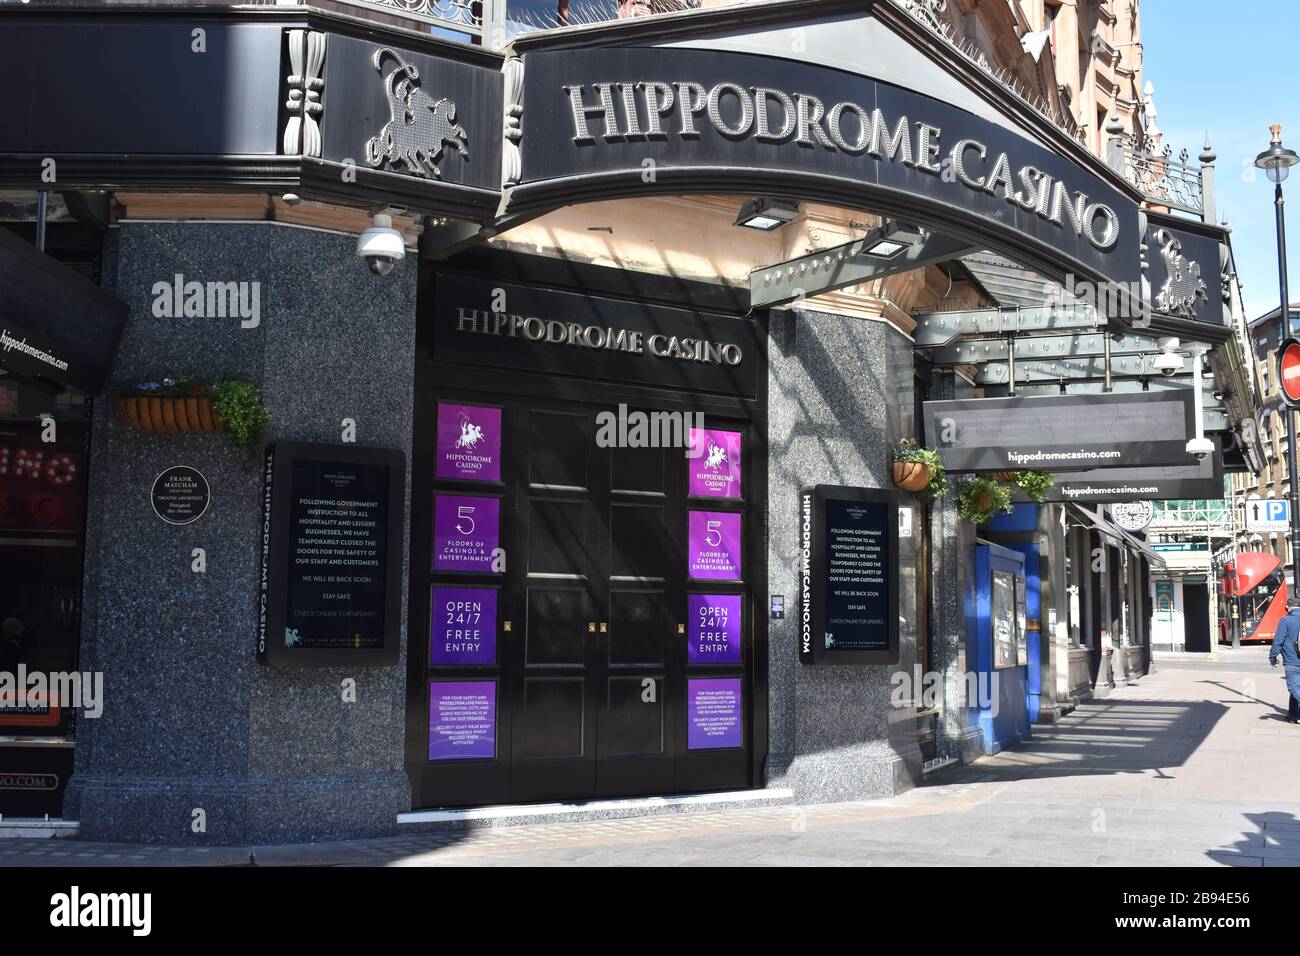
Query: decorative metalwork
point(577, 13)
point(1183, 286)
point(454, 14)
point(306, 59)
point(1163, 178)
point(418, 127)
point(929, 12)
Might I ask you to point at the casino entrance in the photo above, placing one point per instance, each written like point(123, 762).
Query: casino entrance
point(582, 614)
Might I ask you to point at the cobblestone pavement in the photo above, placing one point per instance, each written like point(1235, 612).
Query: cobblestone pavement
point(1191, 766)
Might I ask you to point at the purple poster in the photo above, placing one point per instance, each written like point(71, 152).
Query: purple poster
point(713, 545)
point(462, 719)
point(716, 473)
point(713, 629)
point(465, 532)
point(469, 442)
point(713, 713)
point(463, 626)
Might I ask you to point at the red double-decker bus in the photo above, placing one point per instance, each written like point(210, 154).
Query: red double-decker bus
point(1253, 582)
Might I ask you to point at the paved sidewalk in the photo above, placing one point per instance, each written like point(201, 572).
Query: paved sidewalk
point(1192, 766)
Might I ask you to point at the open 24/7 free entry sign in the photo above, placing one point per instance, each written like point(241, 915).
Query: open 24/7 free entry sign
point(1062, 432)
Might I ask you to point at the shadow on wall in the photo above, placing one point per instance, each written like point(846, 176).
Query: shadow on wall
point(832, 396)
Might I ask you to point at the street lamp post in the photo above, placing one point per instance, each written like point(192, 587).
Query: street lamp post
point(1276, 161)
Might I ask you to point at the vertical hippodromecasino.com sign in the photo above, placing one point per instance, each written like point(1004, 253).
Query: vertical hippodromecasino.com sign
point(713, 545)
point(466, 532)
point(463, 626)
point(469, 442)
point(713, 629)
point(716, 472)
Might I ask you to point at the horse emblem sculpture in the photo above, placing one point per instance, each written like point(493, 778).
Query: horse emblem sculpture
point(418, 128)
point(1183, 287)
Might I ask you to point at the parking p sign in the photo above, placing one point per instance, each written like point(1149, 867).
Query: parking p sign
point(1268, 514)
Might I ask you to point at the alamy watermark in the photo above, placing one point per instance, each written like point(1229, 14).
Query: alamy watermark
point(976, 689)
point(1120, 300)
point(179, 299)
point(35, 693)
point(638, 429)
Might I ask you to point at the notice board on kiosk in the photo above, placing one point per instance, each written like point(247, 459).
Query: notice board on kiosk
point(329, 588)
point(848, 576)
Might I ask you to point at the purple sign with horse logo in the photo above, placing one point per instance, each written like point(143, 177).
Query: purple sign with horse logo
point(463, 626)
point(462, 719)
point(469, 442)
point(466, 532)
point(713, 545)
point(713, 629)
point(716, 473)
point(713, 713)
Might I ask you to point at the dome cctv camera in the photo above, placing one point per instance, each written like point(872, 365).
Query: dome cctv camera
point(381, 245)
point(1200, 448)
point(1168, 363)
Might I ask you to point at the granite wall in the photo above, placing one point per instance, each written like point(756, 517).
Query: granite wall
point(840, 396)
point(199, 743)
point(952, 634)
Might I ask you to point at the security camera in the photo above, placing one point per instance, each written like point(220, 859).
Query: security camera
point(381, 245)
point(1199, 448)
point(1169, 362)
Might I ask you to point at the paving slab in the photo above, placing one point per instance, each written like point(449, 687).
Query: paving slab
point(1177, 769)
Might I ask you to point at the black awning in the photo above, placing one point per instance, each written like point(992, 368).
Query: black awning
point(57, 328)
point(1124, 539)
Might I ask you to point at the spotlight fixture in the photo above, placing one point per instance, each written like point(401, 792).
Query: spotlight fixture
point(766, 214)
point(892, 239)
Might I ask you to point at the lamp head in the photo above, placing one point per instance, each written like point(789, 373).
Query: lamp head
point(1277, 160)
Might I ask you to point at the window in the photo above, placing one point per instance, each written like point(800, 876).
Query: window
point(1074, 621)
point(1008, 612)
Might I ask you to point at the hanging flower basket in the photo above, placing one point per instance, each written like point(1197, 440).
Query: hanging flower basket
point(912, 476)
point(919, 470)
point(169, 414)
point(980, 497)
point(1035, 484)
point(180, 405)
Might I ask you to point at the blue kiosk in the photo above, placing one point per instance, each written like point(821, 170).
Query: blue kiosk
point(1004, 656)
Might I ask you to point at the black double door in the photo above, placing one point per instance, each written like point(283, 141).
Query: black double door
point(594, 692)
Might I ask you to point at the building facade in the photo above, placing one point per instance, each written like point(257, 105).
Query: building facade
point(584, 397)
point(1265, 334)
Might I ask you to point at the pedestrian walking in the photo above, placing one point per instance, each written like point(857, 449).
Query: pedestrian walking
point(1285, 646)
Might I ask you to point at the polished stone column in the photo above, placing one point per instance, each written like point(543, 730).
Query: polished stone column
point(952, 652)
point(840, 397)
point(198, 742)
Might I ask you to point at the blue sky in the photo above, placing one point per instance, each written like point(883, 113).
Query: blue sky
point(1229, 69)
